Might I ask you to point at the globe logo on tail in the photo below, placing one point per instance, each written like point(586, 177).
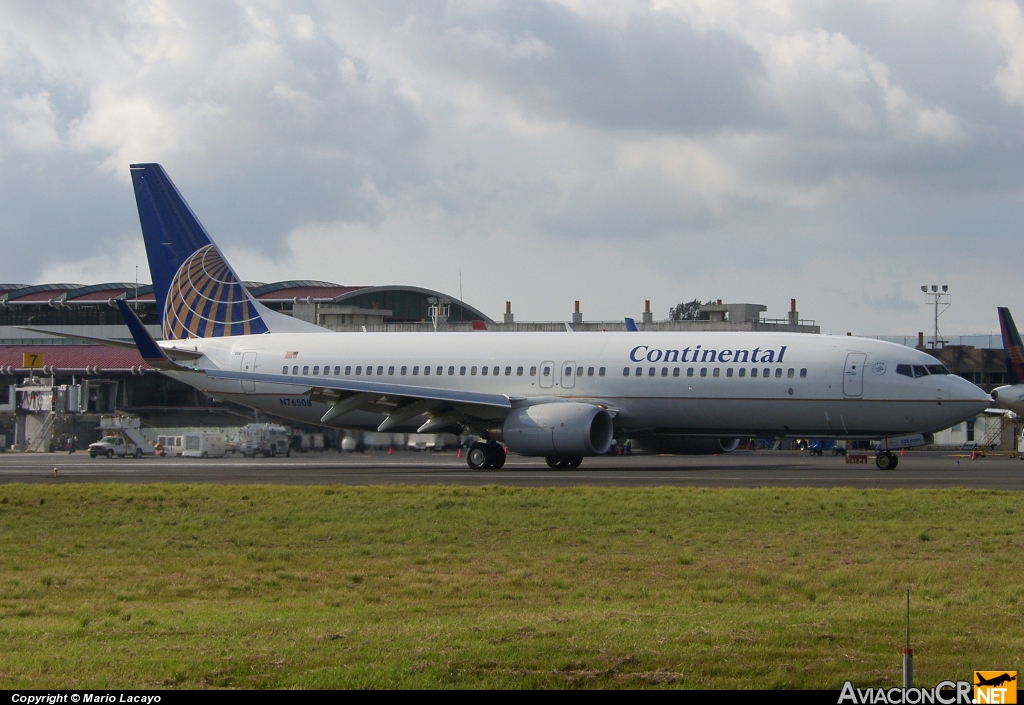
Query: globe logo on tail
point(206, 300)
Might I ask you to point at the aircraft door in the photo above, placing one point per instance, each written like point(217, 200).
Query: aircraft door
point(853, 375)
point(568, 374)
point(547, 374)
point(248, 365)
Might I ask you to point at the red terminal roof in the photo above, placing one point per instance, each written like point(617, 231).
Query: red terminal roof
point(74, 357)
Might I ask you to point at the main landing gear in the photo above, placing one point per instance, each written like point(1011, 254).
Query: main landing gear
point(564, 461)
point(485, 456)
point(887, 461)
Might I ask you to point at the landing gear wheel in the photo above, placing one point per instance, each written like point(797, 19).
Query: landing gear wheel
point(478, 458)
point(497, 455)
point(574, 461)
point(556, 462)
point(886, 461)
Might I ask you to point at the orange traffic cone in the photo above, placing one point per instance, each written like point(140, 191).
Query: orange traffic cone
point(974, 455)
point(903, 452)
point(391, 451)
point(460, 451)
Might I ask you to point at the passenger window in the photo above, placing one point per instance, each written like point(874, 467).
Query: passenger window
point(639, 371)
point(451, 371)
point(295, 370)
point(380, 369)
point(348, 370)
point(766, 372)
point(337, 370)
point(579, 371)
point(650, 372)
point(689, 372)
point(426, 369)
point(391, 370)
point(285, 370)
point(462, 370)
point(778, 372)
point(675, 371)
point(533, 371)
point(483, 371)
point(790, 372)
point(508, 371)
point(664, 372)
point(625, 372)
point(728, 372)
point(327, 369)
point(703, 371)
point(600, 372)
point(743, 372)
point(716, 372)
point(803, 372)
point(472, 370)
point(495, 371)
point(305, 370)
point(590, 371)
point(568, 372)
point(369, 369)
point(403, 370)
point(546, 371)
point(316, 369)
point(519, 371)
point(920, 371)
point(415, 369)
point(753, 372)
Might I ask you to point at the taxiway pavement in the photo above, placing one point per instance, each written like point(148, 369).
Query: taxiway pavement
point(919, 469)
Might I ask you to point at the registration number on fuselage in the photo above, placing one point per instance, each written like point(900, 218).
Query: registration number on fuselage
point(295, 401)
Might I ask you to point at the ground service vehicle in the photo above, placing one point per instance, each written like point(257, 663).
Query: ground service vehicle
point(263, 440)
point(114, 446)
point(204, 444)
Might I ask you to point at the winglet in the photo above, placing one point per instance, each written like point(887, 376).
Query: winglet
point(150, 351)
point(1013, 349)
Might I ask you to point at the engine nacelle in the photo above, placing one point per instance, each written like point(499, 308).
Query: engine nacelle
point(559, 428)
point(677, 445)
point(1010, 397)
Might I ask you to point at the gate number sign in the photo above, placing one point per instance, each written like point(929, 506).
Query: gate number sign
point(33, 360)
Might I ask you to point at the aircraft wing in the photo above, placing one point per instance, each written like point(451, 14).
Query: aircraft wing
point(381, 388)
point(84, 338)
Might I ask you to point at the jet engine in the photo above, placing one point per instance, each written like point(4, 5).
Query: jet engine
point(1010, 397)
point(678, 445)
point(559, 429)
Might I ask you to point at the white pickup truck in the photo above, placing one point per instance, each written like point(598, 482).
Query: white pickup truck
point(114, 446)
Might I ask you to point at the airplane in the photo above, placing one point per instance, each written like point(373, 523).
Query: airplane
point(560, 396)
point(1011, 396)
point(996, 680)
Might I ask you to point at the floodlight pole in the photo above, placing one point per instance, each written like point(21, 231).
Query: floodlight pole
point(938, 296)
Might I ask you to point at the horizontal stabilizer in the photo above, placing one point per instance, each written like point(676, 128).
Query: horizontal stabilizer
point(147, 346)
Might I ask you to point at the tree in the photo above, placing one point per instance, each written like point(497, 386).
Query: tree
point(687, 311)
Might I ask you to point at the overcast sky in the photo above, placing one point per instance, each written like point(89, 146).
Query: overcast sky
point(839, 153)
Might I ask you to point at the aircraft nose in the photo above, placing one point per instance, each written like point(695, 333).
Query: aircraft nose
point(960, 390)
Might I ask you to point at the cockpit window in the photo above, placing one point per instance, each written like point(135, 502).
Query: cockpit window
point(920, 371)
point(904, 370)
point(937, 369)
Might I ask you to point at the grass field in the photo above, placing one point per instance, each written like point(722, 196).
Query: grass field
point(234, 586)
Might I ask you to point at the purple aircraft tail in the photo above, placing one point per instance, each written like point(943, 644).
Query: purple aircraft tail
point(1013, 349)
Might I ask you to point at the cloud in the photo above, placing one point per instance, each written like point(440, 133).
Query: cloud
point(551, 150)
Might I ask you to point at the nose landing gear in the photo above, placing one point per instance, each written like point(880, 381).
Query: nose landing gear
point(887, 461)
point(564, 461)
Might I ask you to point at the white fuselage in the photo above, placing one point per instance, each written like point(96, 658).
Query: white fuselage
point(655, 383)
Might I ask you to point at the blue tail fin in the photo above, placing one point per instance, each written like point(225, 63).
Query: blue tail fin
point(198, 295)
point(631, 325)
point(1013, 349)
